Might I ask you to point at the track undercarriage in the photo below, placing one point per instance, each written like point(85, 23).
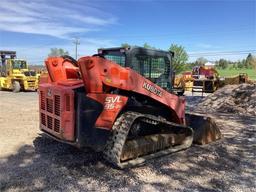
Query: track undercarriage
point(138, 137)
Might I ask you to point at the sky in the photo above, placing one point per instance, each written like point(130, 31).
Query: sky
point(212, 29)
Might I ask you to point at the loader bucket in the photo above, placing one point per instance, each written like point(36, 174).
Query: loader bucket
point(205, 128)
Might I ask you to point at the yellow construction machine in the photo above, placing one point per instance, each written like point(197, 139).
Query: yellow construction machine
point(183, 81)
point(15, 74)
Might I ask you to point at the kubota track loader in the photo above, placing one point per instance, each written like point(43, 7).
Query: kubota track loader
point(119, 102)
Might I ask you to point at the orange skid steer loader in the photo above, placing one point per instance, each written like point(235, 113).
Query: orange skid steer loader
point(119, 102)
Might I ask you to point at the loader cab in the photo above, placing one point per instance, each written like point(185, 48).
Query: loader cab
point(5, 61)
point(16, 66)
point(9, 64)
point(154, 65)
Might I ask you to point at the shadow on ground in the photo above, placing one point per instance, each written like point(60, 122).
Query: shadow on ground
point(226, 165)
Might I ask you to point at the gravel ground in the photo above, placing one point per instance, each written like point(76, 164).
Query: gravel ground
point(30, 161)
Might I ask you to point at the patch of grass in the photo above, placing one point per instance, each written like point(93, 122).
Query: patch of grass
point(233, 72)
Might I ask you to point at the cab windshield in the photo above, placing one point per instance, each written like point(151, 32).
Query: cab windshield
point(154, 68)
point(19, 64)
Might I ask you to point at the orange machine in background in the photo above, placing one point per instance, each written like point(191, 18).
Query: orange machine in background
point(205, 79)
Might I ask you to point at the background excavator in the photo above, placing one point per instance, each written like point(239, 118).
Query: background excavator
point(119, 102)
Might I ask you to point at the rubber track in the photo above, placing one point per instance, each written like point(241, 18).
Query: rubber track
point(120, 130)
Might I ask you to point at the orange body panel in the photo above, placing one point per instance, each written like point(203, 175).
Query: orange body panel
point(112, 105)
point(99, 73)
point(60, 69)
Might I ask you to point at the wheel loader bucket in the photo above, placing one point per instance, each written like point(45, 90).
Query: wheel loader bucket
point(205, 128)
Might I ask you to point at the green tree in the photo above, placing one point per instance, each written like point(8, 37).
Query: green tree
point(223, 64)
point(201, 61)
point(125, 45)
point(180, 58)
point(253, 63)
point(234, 66)
point(250, 61)
point(189, 66)
point(56, 52)
point(146, 45)
point(240, 64)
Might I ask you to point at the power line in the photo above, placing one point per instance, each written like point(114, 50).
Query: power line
point(252, 50)
point(221, 53)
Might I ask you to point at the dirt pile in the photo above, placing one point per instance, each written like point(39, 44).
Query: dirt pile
point(239, 99)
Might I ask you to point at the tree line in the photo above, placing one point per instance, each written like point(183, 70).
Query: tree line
point(248, 63)
point(180, 60)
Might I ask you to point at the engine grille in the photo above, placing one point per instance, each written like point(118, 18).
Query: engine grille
point(42, 100)
point(57, 114)
point(49, 122)
point(50, 112)
point(49, 105)
point(57, 125)
point(43, 119)
point(30, 73)
point(57, 105)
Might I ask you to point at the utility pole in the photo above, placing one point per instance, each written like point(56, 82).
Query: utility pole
point(76, 42)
